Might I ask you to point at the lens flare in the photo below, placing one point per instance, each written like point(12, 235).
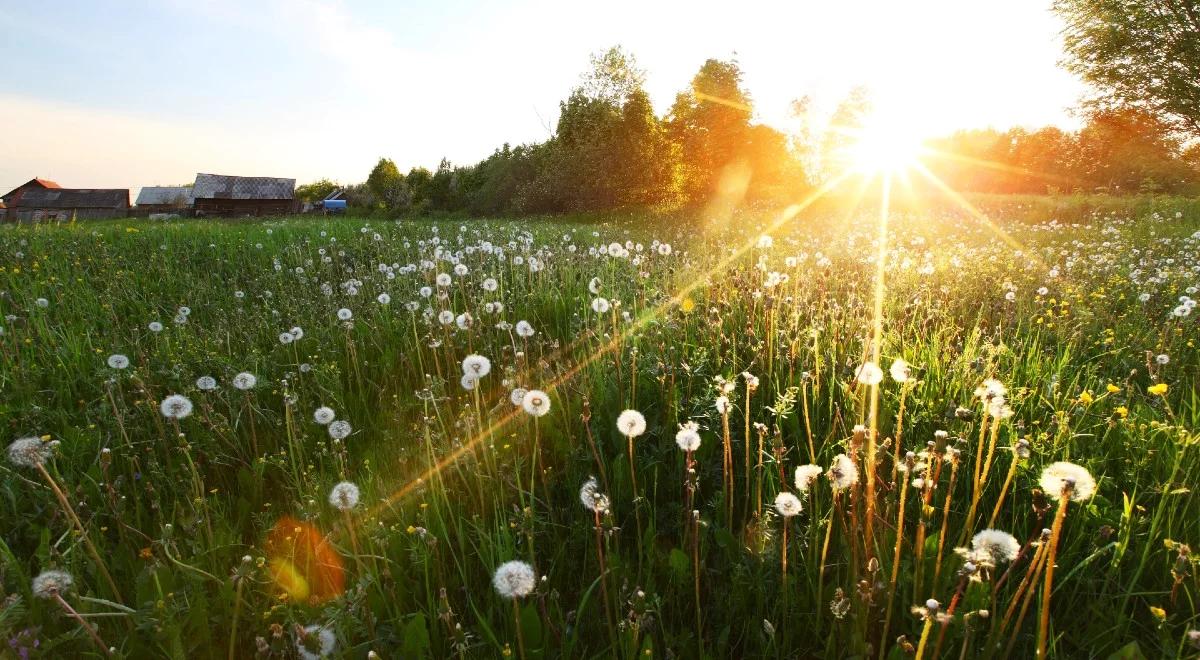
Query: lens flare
point(302, 563)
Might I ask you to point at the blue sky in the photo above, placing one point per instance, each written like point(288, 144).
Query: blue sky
point(125, 94)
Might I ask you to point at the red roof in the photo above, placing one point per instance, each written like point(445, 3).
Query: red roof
point(46, 183)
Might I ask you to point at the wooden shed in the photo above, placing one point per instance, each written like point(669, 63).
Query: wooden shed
point(224, 195)
point(64, 204)
point(164, 199)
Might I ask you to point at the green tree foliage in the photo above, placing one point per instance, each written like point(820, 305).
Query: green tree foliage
point(388, 187)
point(1139, 53)
point(316, 191)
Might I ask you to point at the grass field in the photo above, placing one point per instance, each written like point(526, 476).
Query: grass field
point(932, 381)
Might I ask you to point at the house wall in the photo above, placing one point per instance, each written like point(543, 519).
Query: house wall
point(64, 215)
point(243, 207)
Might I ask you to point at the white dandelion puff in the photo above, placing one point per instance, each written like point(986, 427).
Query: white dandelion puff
point(118, 361)
point(688, 436)
point(339, 429)
point(324, 415)
point(1075, 479)
point(344, 496)
point(245, 381)
point(514, 579)
point(176, 406)
point(631, 423)
point(787, 504)
point(536, 403)
point(806, 475)
point(843, 473)
point(869, 374)
point(49, 584)
point(30, 451)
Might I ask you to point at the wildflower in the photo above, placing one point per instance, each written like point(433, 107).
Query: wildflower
point(843, 473)
point(468, 382)
point(117, 361)
point(514, 579)
point(286, 338)
point(206, 383)
point(631, 423)
point(600, 305)
point(30, 452)
point(900, 370)
point(806, 475)
point(594, 286)
point(536, 403)
point(464, 321)
point(384, 299)
point(722, 404)
point(524, 329)
point(49, 584)
point(518, 396)
point(176, 406)
point(296, 332)
point(476, 366)
point(345, 314)
point(323, 415)
point(592, 500)
point(992, 546)
point(245, 381)
point(787, 504)
point(751, 380)
point(155, 326)
point(315, 642)
point(991, 389)
point(1162, 358)
point(1063, 476)
point(869, 374)
point(443, 279)
point(1158, 389)
point(1086, 397)
point(490, 284)
point(344, 496)
point(688, 436)
point(1112, 389)
point(338, 430)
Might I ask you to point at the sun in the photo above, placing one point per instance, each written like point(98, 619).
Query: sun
point(884, 144)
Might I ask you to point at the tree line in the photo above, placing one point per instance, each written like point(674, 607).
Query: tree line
point(611, 150)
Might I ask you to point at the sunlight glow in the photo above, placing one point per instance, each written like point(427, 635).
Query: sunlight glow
point(884, 144)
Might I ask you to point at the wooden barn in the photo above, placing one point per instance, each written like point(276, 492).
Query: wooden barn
point(224, 195)
point(10, 198)
point(164, 199)
point(66, 204)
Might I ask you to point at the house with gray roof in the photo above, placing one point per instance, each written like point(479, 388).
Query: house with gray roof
point(65, 204)
point(164, 199)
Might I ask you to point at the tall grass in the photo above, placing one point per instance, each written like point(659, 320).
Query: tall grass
point(219, 534)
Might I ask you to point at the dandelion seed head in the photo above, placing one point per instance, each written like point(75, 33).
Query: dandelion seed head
point(49, 584)
point(206, 383)
point(339, 429)
point(787, 504)
point(843, 473)
point(806, 476)
point(30, 451)
point(688, 436)
point(176, 406)
point(317, 642)
point(323, 415)
point(536, 403)
point(514, 579)
point(1063, 475)
point(631, 423)
point(869, 374)
point(992, 546)
point(592, 499)
point(245, 381)
point(476, 366)
point(900, 370)
point(118, 361)
point(344, 496)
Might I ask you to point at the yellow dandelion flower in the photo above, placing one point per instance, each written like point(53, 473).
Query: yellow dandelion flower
point(1159, 389)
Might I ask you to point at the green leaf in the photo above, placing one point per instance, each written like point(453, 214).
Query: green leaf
point(416, 637)
point(1130, 651)
point(680, 563)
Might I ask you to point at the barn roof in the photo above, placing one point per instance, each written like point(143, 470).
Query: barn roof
point(31, 184)
point(74, 198)
point(222, 186)
point(164, 195)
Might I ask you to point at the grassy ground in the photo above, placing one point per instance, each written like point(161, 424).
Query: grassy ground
point(221, 534)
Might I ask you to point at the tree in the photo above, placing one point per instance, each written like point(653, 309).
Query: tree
point(388, 186)
point(711, 124)
point(840, 136)
point(317, 190)
point(1139, 53)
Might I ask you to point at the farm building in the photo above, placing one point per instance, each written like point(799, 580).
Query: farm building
point(218, 194)
point(10, 198)
point(164, 199)
point(64, 204)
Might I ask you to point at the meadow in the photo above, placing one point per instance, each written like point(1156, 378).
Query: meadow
point(752, 435)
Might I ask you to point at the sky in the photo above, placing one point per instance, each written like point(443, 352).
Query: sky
point(126, 94)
